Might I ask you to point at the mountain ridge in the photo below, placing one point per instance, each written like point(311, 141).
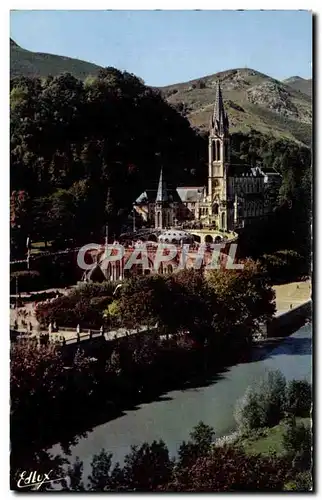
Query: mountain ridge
point(253, 100)
point(41, 64)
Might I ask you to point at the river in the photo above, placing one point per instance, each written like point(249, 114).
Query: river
point(173, 416)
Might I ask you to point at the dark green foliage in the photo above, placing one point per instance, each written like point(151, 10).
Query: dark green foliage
point(83, 305)
point(263, 405)
point(299, 398)
point(284, 265)
point(200, 444)
point(297, 442)
point(302, 482)
point(289, 228)
point(82, 152)
point(147, 467)
point(203, 436)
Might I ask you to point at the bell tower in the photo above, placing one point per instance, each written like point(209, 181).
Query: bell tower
point(163, 209)
point(219, 158)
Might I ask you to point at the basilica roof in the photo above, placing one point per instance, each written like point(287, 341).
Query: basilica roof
point(191, 194)
point(173, 234)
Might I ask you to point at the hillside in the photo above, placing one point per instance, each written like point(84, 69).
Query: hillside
point(301, 84)
point(37, 64)
point(252, 99)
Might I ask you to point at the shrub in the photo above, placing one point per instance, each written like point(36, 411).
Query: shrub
point(147, 467)
point(230, 469)
point(297, 443)
point(84, 306)
point(92, 290)
point(262, 405)
point(301, 482)
point(299, 398)
point(248, 411)
point(272, 390)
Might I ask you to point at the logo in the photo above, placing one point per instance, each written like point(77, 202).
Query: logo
point(34, 479)
point(210, 254)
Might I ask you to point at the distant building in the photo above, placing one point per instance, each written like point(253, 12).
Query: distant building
point(235, 195)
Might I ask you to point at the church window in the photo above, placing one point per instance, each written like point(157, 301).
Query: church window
point(226, 151)
point(217, 150)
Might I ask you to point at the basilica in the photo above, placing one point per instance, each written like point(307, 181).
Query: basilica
point(234, 196)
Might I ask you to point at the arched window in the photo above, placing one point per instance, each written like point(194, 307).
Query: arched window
point(170, 269)
point(218, 150)
point(226, 151)
point(223, 225)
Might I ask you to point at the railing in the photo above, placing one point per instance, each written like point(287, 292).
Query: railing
point(56, 337)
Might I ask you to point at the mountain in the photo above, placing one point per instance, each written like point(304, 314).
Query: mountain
point(301, 84)
point(252, 100)
point(38, 64)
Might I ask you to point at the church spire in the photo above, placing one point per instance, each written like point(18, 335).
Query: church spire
point(219, 120)
point(162, 195)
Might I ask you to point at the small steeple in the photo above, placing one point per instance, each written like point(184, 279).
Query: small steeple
point(219, 120)
point(162, 194)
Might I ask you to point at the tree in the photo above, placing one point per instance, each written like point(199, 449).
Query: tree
point(199, 444)
point(297, 442)
point(99, 480)
point(242, 299)
point(65, 132)
point(230, 469)
point(262, 404)
point(299, 398)
point(75, 474)
point(147, 467)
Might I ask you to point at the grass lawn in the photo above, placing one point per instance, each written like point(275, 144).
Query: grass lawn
point(269, 440)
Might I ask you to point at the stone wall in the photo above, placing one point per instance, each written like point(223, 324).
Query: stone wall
point(289, 321)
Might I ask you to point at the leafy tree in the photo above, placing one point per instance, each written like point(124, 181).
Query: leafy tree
point(230, 469)
point(243, 299)
point(199, 444)
point(147, 467)
point(297, 442)
point(262, 404)
point(99, 480)
point(75, 474)
point(299, 398)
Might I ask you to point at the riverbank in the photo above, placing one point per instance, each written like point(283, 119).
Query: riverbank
point(172, 416)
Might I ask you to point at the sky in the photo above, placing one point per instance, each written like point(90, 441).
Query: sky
point(165, 47)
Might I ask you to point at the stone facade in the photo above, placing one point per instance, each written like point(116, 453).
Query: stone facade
point(235, 195)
